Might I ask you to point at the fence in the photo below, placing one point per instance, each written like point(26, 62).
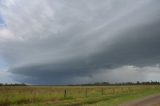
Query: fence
point(86, 92)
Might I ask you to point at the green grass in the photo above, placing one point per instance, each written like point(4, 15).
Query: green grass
point(76, 96)
point(124, 98)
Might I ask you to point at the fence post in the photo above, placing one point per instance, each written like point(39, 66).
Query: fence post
point(86, 92)
point(113, 90)
point(65, 93)
point(102, 91)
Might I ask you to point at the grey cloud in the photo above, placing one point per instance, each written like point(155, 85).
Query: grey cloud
point(128, 74)
point(59, 42)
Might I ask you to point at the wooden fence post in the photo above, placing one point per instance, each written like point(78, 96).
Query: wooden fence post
point(65, 93)
point(102, 91)
point(86, 92)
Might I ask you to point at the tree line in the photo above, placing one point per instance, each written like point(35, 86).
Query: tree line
point(118, 84)
point(16, 84)
point(94, 84)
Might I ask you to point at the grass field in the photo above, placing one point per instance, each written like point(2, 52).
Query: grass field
point(73, 96)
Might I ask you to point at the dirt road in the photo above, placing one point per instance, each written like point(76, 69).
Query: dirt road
point(149, 101)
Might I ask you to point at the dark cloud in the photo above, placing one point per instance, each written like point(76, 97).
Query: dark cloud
point(80, 41)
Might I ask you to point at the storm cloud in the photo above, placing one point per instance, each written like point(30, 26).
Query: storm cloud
point(64, 42)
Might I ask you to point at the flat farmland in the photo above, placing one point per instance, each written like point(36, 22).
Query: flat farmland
point(74, 95)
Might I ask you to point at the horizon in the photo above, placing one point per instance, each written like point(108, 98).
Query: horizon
point(87, 84)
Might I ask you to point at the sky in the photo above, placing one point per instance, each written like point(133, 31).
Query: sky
point(79, 41)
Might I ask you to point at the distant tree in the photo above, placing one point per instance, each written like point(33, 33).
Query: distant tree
point(123, 83)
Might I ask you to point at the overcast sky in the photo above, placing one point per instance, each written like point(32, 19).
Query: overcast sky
point(79, 41)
